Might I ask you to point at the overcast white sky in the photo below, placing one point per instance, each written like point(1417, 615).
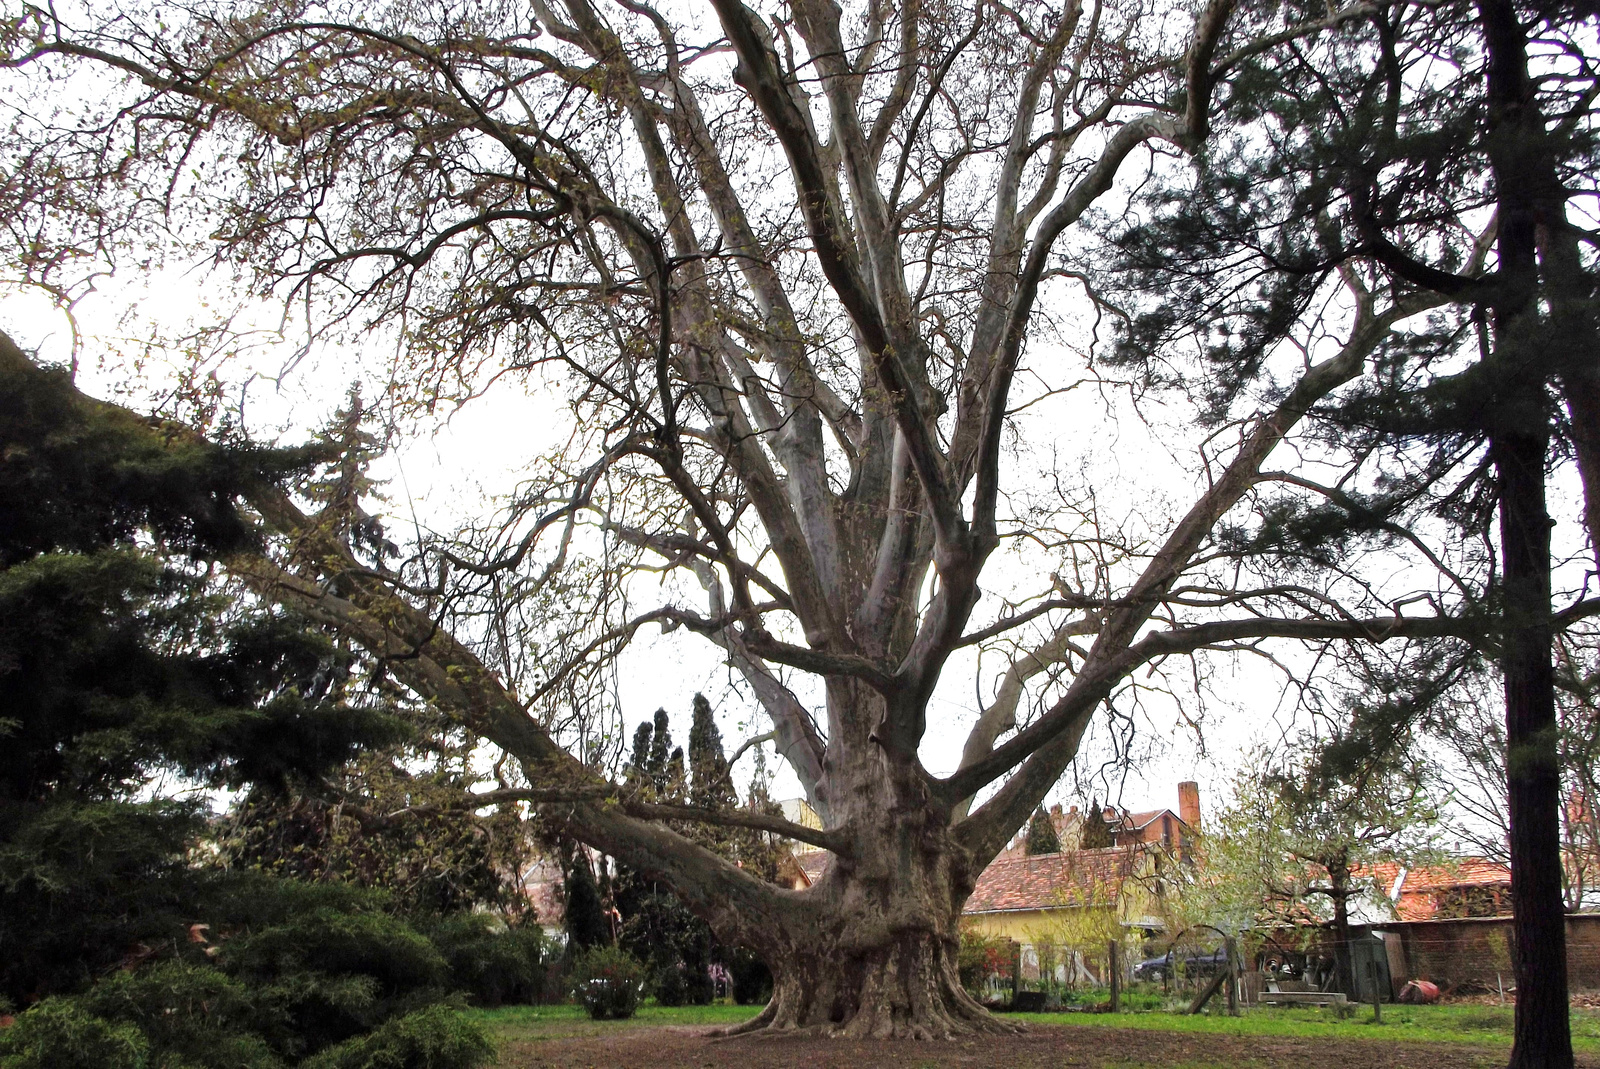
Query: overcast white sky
point(456, 467)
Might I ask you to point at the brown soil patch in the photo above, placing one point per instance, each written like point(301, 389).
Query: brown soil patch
point(1042, 1047)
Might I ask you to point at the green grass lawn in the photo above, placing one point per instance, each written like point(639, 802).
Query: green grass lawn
point(1483, 1025)
point(560, 1022)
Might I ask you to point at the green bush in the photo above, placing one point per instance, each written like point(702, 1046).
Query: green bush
point(245, 900)
point(668, 985)
point(981, 956)
point(57, 1033)
point(325, 989)
point(752, 980)
point(191, 1015)
point(493, 963)
point(327, 976)
point(83, 882)
point(328, 941)
point(435, 1038)
point(608, 981)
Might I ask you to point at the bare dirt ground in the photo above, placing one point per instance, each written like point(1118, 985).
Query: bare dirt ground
point(1042, 1047)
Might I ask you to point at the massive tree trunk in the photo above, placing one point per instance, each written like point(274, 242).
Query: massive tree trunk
point(873, 954)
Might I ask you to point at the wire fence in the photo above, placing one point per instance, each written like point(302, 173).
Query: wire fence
point(1460, 957)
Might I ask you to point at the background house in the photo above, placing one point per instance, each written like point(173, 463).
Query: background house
point(1466, 887)
point(1027, 898)
point(1045, 897)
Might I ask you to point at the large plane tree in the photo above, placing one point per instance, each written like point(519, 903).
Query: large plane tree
point(790, 268)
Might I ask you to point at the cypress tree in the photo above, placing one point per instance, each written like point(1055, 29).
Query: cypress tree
point(586, 922)
point(1096, 832)
point(1042, 837)
point(638, 773)
point(660, 747)
point(710, 785)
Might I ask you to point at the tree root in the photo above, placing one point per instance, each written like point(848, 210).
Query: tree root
point(912, 995)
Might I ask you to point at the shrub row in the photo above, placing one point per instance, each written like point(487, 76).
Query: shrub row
point(316, 976)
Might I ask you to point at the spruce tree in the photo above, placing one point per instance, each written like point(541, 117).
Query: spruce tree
point(121, 663)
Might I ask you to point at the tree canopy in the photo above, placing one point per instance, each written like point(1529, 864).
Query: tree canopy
point(1299, 840)
point(815, 284)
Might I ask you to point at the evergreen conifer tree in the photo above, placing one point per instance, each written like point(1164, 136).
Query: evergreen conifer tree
point(710, 785)
point(1096, 833)
point(120, 661)
point(660, 747)
point(1434, 159)
point(1042, 837)
point(586, 922)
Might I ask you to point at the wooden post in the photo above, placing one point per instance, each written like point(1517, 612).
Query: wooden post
point(1016, 970)
point(1377, 997)
point(1210, 989)
point(1115, 969)
point(1233, 976)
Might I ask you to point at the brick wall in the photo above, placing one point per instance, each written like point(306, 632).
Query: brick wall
point(1474, 954)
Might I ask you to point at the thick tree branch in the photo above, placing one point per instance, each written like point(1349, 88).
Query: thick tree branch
point(613, 796)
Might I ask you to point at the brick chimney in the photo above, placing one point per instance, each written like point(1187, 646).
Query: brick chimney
point(1189, 803)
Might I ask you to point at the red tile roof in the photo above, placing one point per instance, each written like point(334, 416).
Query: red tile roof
point(1418, 899)
point(1461, 872)
point(813, 863)
point(1051, 881)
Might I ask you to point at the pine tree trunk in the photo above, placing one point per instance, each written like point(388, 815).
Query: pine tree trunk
point(1519, 443)
point(1543, 1038)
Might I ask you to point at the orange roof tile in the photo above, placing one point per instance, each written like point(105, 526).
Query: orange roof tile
point(813, 863)
point(1418, 893)
point(1050, 881)
point(1462, 872)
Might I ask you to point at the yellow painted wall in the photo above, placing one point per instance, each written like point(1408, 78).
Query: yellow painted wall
point(1017, 924)
point(1023, 925)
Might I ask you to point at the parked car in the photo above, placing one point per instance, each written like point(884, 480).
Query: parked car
point(1190, 962)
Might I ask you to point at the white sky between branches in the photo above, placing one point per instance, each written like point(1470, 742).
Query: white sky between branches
point(455, 469)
